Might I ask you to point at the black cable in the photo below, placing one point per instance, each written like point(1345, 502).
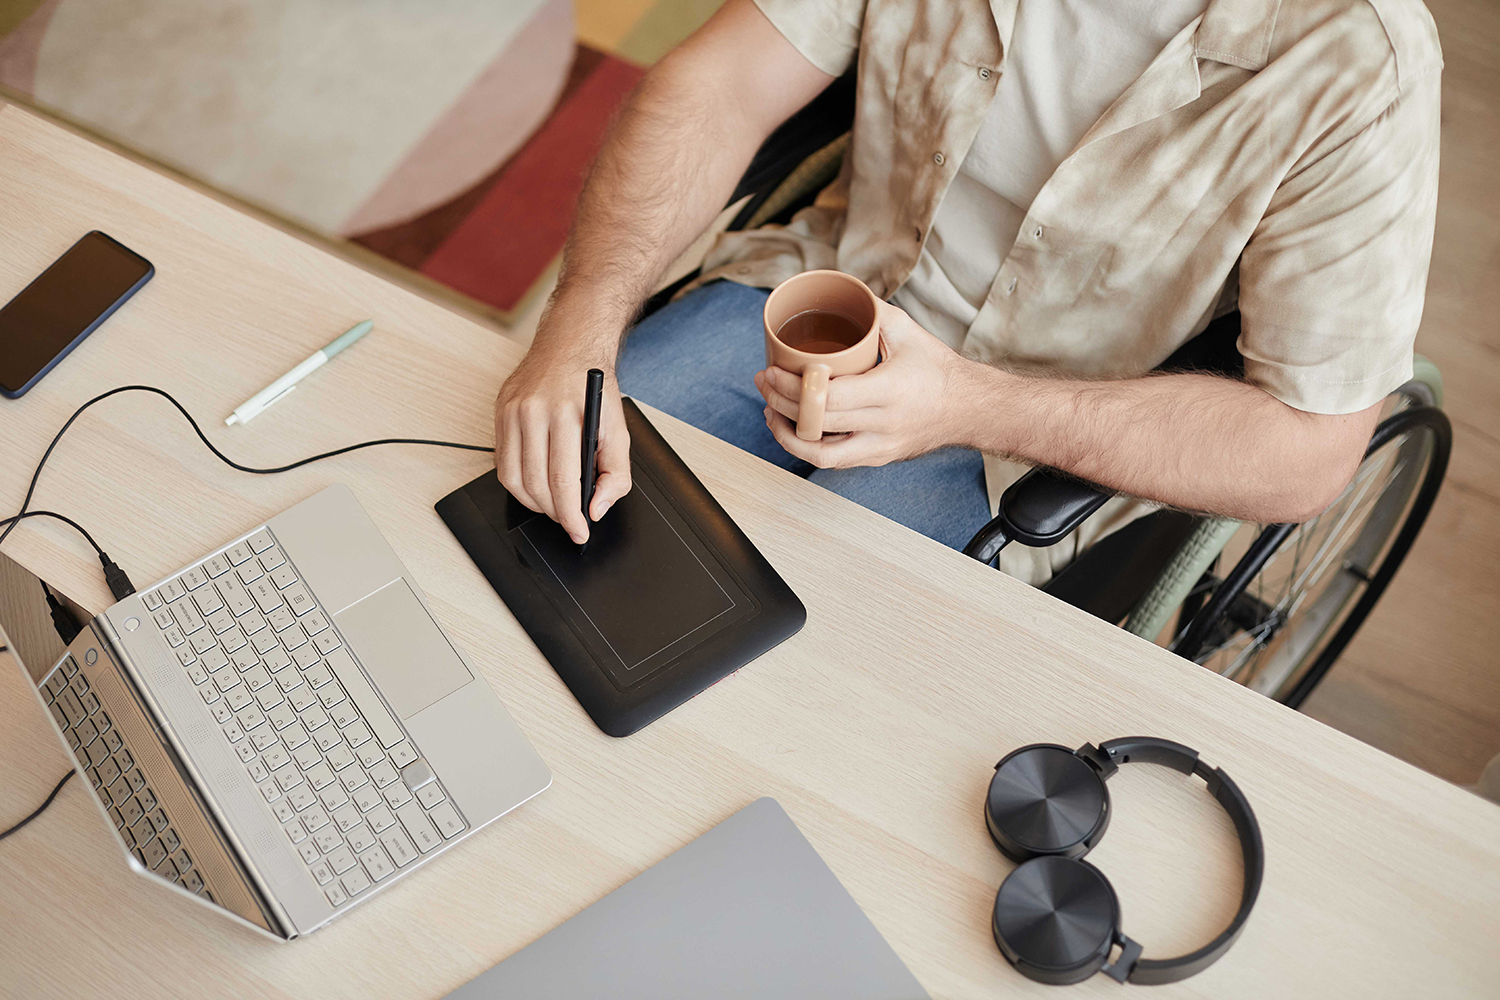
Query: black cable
point(62, 616)
point(119, 583)
point(38, 811)
point(66, 520)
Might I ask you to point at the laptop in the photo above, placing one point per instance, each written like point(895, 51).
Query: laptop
point(280, 730)
point(748, 911)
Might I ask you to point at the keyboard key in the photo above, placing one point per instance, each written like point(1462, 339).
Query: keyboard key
point(238, 552)
point(271, 559)
point(366, 797)
point(96, 753)
point(174, 637)
point(261, 540)
point(430, 795)
point(297, 835)
point(294, 736)
point(90, 703)
point(232, 640)
point(360, 838)
point(333, 796)
point(341, 859)
point(233, 733)
point(314, 818)
point(193, 578)
point(340, 757)
point(382, 772)
point(102, 723)
point(109, 772)
point(86, 732)
point(221, 620)
point(249, 573)
point(119, 794)
point(192, 881)
point(314, 622)
point(169, 839)
point(132, 812)
point(418, 827)
point(352, 778)
point(396, 795)
point(276, 660)
point(377, 865)
point(187, 616)
point(222, 714)
point(399, 846)
point(251, 716)
point(403, 754)
point(281, 716)
point(234, 595)
point(305, 654)
point(284, 811)
point(306, 755)
point(416, 774)
point(202, 641)
point(122, 759)
point(209, 693)
point(147, 799)
point(62, 722)
point(447, 820)
point(244, 658)
point(264, 640)
point(185, 655)
point(245, 751)
point(151, 600)
point(256, 677)
point(328, 840)
point(270, 792)
point(346, 817)
point(301, 798)
point(214, 660)
point(376, 715)
point(354, 881)
point(326, 738)
point(288, 778)
point(263, 738)
point(216, 566)
point(319, 775)
point(164, 619)
point(358, 734)
point(298, 599)
point(283, 577)
point(291, 682)
point(281, 618)
point(326, 642)
point(269, 697)
point(155, 853)
point(158, 820)
point(226, 679)
point(322, 873)
point(208, 600)
point(330, 695)
point(115, 817)
point(137, 782)
point(171, 590)
point(313, 716)
point(238, 698)
point(265, 594)
point(317, 675)
point(380, 819)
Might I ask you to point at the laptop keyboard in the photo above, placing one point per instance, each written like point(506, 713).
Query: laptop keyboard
point(350, 791)
point(132, 805)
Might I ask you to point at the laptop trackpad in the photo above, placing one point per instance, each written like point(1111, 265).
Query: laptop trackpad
point(402, 649)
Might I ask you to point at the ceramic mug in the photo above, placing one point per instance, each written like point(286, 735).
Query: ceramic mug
point(830, 292)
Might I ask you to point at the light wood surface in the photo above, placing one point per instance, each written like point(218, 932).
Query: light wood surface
point(876, 727)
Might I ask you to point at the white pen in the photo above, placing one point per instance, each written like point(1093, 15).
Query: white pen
point(251, 407)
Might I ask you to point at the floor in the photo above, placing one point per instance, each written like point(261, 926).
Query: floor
point(1422, 679)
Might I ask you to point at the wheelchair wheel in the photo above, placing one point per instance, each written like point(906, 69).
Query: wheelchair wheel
point(1297, 593)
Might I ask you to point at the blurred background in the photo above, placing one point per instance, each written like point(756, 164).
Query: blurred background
point(444, 143)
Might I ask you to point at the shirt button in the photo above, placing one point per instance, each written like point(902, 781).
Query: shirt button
point(984, 73)
point(1010, 286)
point(1037, 233)
point(938, 158)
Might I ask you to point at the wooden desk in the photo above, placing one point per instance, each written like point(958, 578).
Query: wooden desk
point(877, 727)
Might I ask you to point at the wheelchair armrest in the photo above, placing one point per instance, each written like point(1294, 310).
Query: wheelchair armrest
point(1040, 508)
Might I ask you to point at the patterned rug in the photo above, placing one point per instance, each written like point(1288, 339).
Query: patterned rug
point(449, 136)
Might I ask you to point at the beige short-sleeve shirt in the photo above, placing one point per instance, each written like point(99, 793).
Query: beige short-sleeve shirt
point(1291, 144)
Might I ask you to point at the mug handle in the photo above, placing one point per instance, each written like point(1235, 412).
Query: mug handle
point(814, 402)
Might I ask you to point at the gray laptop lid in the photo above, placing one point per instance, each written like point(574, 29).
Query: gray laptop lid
point(748, 910)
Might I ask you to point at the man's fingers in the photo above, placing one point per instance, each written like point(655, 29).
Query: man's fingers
point(534, 457)
point(565, 476)
point(828, 453)
point(845, 392)
point(508, 456)
point(866, 418)
point(614, 467)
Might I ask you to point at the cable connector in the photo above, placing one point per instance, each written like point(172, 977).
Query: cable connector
point(62, 617)
point(119, 583)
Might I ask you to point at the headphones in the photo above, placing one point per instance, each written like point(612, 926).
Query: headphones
point(1056, 916)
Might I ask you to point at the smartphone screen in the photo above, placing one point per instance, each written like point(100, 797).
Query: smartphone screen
point(65, 304)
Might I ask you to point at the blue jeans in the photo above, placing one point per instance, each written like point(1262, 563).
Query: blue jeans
point(697, 358)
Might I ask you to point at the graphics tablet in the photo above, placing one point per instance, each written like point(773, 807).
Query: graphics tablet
point(669, 597)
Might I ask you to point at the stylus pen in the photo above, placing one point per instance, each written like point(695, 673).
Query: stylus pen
point(593, 401)
point(251, 407)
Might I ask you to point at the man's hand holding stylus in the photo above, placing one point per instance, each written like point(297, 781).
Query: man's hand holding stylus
point(538, 428)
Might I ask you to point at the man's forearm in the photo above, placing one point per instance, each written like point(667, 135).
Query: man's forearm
point(1191, 441)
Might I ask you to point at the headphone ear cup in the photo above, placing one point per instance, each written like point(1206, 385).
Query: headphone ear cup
point(1056, 919)
point(1046, 800)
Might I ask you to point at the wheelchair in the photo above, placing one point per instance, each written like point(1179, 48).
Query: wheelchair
point(1270, 606)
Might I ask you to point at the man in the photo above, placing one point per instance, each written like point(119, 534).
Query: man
point(1052, 195)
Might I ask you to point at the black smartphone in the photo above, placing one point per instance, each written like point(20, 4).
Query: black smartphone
point(53, 314)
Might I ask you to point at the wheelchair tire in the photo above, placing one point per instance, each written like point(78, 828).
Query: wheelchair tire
point(1279, 619)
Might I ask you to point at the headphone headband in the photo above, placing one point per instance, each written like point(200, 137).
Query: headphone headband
point(1107, 757)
